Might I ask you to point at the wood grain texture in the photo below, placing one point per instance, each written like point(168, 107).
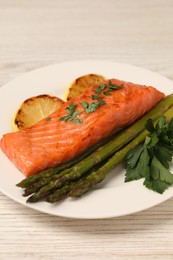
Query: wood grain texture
point(38, 33)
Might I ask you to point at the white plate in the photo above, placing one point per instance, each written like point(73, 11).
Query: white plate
point(113, 197)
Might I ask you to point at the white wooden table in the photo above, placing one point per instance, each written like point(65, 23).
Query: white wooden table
point(38, 33)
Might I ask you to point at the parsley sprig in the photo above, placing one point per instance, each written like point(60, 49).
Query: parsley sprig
point(151, 160)
point(71, 114)
point(92, 107)
point(109, 87)
point(99, 89)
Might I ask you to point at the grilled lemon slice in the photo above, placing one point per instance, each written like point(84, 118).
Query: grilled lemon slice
point(80, 84)
point(34, 109)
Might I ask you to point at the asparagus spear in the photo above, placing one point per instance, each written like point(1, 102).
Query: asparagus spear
point(35, 186)
point(102, 153)
point(62, 193)
point(59, 194)
point(98, 176)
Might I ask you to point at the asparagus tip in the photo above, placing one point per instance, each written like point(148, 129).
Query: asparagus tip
point(31, 199)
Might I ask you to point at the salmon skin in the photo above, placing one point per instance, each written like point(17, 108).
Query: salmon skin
point(60, 137)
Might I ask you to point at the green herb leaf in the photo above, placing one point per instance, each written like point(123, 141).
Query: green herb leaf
point(113, 86)
point(95, 97)
point(70, 110)
point(153, 140)
point(89, 108)
point(158, 171)
point(156, 185)
point(75, 114)
point(110, 87)
point(163, 154)
point(170, 129)
point(150, 126)
point(100, 88)
point(107, 92)
point(64, 118)
point(133, 156)
point(92, 107)
point(170, 125)
point(160, 124)
point(101, 102)
point(132, 174)
point(140, 169)
point(72, 114)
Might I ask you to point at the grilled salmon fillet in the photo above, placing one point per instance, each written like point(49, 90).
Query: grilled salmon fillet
point(78, 124)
